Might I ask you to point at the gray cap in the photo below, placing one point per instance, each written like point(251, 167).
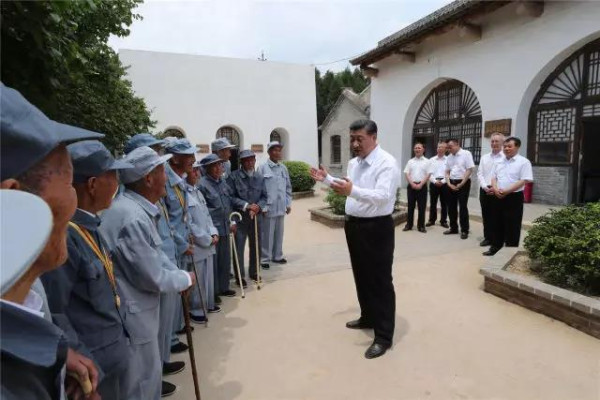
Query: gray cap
point(181, 146)
point(141, 139)
point(210, 159)
point(90, 158)
point(273, 144)
point(144, 160)
point(246, 154)
point(28, 135)
point(25, 229)
point(220, 144)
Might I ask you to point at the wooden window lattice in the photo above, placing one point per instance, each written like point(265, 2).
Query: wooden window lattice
point(230, 133)
point(336, 149)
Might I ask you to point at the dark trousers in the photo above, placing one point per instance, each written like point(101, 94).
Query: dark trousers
point(222, 264)
point(457, 202)
point(508, 215)
point(436, 193)
point(487, 209)
point(419, 198)
point(371, 246)
point(245, 230)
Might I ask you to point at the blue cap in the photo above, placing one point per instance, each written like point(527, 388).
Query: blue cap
point(246, 154)
point(28, 135)
point(209, 160)
point(139, 140)
point(25, 229)
point(144, 160)
point(90, 158)
point(273, 144)
point(220, 144)
point(181, 146)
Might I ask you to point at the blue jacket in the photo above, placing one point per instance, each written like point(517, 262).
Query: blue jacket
point(177, 211)
point(82, 301)
point(218, 201)
point(246, 189)
point(201, 224)
point(34, 351)
point(279, 188)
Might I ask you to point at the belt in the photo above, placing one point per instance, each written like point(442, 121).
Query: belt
point(350, 218)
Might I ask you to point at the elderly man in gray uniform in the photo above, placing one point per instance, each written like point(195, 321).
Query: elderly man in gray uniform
point(218, 200)
point(222, 148)
point(130, 229)
point(249, 197)
point(82, 293)
point(279, 203)
point(34, 159)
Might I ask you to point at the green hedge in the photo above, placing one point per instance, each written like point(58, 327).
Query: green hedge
point(566, 245)
point(336, 201)
point(299, 175)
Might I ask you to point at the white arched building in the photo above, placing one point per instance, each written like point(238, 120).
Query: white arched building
point(529, 69)
point(248, 101)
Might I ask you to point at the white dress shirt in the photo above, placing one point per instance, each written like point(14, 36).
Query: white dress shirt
point(486, 168)
point(417, 168)
point(437, 168)
point(375, 180)
point(459, 163)
point(512, 170)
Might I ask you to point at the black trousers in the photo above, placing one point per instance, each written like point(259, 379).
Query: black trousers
point(487, 206)
point(508, 216)
point(436, 193)
point(457, 202)
point(416, 197)
point(371, 246)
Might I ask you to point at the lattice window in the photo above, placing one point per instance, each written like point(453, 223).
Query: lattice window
point(571, 92)
point(230, 133)
point(336, 149)
point(450, 111)
point(275, 137)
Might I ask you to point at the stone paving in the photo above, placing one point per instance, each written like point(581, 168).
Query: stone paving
point(453, 341)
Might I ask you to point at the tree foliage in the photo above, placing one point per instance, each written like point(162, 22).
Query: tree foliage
point(329, 87)
point(56, 54)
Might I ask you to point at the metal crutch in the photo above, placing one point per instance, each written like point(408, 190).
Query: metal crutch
point(188, 333)
point(233, 251)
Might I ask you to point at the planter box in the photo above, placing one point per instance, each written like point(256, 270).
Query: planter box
point(574, 309)
point(301, 195)
point(325, 216)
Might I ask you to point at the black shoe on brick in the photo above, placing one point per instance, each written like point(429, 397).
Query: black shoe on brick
point(174, 367)
point(167, 389)
point(265, 266)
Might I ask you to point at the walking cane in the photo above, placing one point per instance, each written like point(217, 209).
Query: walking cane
point(257, 252)
point(188, 333)
point(199, 287)
point(233, 251)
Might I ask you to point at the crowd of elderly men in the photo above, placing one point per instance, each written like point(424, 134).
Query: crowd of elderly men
point(99, 312)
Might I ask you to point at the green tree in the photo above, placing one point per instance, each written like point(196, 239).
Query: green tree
point(56, 54)
point(329, 87)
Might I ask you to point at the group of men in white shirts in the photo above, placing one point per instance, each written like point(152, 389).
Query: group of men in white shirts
point(502, 175)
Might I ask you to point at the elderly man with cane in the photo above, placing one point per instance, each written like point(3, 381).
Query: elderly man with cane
point(34, 159)
point(373, 178)
point(130, 229)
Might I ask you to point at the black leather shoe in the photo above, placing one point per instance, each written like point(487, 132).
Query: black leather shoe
point(182, 331)
point(445, 224)
point(179, 348)
point(450, 232)
point(406, 228)
point(464, 235)
point(198, 319)
point(214, 310)
point(228, 293)
point(265, 266)
point(430, 224)
point(490, 252)
point(282, 261)
point(174, 367)
point(375, 350)
point(358, 324)
point(167, 389)
point(484, 243)
point(422, 230)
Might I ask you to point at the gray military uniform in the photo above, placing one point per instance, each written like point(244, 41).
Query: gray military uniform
point(129, 227)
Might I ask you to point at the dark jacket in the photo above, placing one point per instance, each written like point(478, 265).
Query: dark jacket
point(218, 200)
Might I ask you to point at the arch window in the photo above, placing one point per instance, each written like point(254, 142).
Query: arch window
point(275, 137)
point(230, 133)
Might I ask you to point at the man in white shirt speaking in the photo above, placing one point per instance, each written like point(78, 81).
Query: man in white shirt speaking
point(417, 173)
point(373, 178)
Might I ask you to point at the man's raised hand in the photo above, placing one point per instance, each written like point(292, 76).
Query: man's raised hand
point(318, 174)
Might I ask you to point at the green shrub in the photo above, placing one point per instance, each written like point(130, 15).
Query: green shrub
point(336, 201)
point(566, 245)
point(299, 175)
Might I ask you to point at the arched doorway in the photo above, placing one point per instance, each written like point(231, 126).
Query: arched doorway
point(451, 110)
point(173, 131)
point(564, 121)
point(234, 137)
point(281, 135)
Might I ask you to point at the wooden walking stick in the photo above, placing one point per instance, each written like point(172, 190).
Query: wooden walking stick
point(188, 332)
point(199, 287)
point(233, 251)
point(257, 252)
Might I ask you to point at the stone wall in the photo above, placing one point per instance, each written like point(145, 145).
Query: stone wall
point(552, 185)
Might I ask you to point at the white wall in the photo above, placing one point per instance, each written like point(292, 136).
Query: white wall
point(505, 69)
point(200, 94)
